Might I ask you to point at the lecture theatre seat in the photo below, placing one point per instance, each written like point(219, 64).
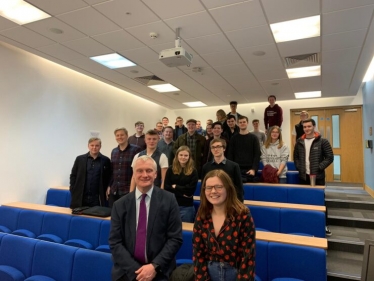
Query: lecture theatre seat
point(8, 219)
point(55, 228)
point(269, 193)
point(58, 197)
point(104, 237)
point(266, 219)
point(84, 233)
point(292, 177)
point(198, 189)
point(261, 260)
point(29, 223)
point(308, 196)
point(184, 254)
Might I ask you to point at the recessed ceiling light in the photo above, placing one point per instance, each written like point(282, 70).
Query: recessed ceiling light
point(370, 72)
point(21, 12)
point(304, 71)
point(195, 104)
point(296, 29)
point(308, 95)
point(164, 88)
point(113, 61)
point(258, 53)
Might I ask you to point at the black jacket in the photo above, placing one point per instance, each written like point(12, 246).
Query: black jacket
point(78, 179)
point(320, 157)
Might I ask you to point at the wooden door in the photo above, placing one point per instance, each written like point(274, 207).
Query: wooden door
point(342, 127)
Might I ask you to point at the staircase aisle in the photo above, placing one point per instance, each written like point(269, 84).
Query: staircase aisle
point(351, 221)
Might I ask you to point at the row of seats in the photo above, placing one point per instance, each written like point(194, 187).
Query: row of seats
point(280, 193)
point(25, 259)
point(82, 232)
point(286, 220)
point(276, 261)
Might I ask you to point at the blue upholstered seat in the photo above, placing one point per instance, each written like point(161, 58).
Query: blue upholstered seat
point(16, 257)
point(292, 177)
point(55, 227)
point(104, 236)
point(58, 197)
point(309, 196)
point(198, 189)
point(184, 254)
point(248, 191)
point(84, 232)
point(8, 219)
point(52, 262)
point(29, 223)
point(269, 193)
point(261, 260)
point(92, 266)
point(266, 218)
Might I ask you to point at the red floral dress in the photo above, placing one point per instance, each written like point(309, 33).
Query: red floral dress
point(235, 245)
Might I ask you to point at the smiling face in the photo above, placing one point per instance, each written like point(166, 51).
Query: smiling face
point(165, 121)
point(121, 137)
point(151, 141)
point(183, 157)
point(308, 129)
point(217, 130)
point(215, 192)
point(144, 174)
point(243, 124)
point(231, 123)
point(217, 149)
point(274, 135)
point(168, 134)
point(191, 127)
point(159, 127)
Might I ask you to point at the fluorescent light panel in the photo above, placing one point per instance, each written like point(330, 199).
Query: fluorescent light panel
point(195, 104)
point(113, 61)
point(308, 95)
point(304, 71)
point(164, 88)
point(21, 12)
point(370, 72)
point(296, 29)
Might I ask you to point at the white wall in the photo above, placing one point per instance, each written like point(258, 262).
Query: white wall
point(47, 112)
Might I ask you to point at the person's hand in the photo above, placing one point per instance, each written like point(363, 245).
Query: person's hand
point(278, 173)
point(107, 192)
point(173, 185)
point(251, 172)
point(146, 273)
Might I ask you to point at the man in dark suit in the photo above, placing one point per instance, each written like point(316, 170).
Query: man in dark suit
point(159, 237)
point(90, 177)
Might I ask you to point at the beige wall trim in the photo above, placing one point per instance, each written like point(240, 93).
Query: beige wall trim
point(369, 190)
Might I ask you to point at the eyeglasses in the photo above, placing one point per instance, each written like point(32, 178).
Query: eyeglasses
point(216, 147)
point(139, 125)
point(216, 187)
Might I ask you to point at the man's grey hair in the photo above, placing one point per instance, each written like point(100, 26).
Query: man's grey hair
point(145, 158)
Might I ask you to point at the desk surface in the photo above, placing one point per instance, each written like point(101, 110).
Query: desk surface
point(60, 187)
point(281, 238)
point(260, 235)
point(280, 205)
point(47, 208)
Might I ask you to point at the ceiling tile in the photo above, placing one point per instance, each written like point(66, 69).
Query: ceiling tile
point(166, 9)
point(341, 55)
point(277, 87)
point(88, 47)
point(271, 75)
point(306, 84)
point(249, 37)
point(222, 58)
point(214, 3)
point(158, 67)
point(60, 52)
point(278, 11)
point(140, 55)
point(26, 37)
point(232, 70)
point(43, 27)
point(343, 40)
point(142, 32)
point(56, 7)
point(347, 20)
point(127, 13)
point(93, 2)
point(89, 21)
point(246, 14)
point(134, 71)
point(197, 61)
point(210, 44)
point(247, 53)
point(336, 5)
point(118, 40)
point(333, 72)
point(6, 24)
point(194, 25)
point(300, 47)
point(257, 66)
point(244, 79)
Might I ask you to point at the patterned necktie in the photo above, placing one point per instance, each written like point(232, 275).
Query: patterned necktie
point(141, 232)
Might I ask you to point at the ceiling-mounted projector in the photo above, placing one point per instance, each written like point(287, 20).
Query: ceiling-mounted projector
point(177, 56)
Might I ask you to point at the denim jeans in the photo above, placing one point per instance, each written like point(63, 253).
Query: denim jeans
point(221, 271)
point(282, 180)
point(187, 213)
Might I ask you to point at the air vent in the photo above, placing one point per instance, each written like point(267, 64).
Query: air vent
point(149, 80)
point(303, 60)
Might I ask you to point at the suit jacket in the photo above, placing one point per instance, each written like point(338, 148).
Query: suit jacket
point(78, 179)
point(164, 234)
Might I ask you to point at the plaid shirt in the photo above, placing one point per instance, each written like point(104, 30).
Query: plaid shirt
point(121, 168)
point(191, 143)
